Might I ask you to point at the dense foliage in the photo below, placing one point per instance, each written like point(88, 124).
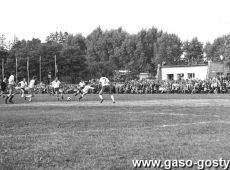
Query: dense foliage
point(80, 57)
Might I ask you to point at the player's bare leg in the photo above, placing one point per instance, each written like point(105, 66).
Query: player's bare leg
point(78, 92)
point(75, 94)
point(23, 93)
point(6, 99)
point(81, 96)
point(100, 96)
point(10, 96)
point(62, 97)
point(30, 96)
point(57, 94)
point(112, 97)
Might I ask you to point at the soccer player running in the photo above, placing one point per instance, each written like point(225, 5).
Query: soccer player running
point(85, 90)
point(11, 87)
point(23, 85)
point(106, 87)
point(56, 85)
point(31, 88)
point(3, 87)
point(81, 87)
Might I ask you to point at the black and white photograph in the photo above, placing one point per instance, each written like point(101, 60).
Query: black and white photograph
point(114, 84)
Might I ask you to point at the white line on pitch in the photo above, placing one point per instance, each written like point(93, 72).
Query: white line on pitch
point(116, 129)
point(170, 114)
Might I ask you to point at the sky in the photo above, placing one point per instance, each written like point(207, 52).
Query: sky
point(27, 19)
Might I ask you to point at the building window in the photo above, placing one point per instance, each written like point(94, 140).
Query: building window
point(170, 76)
point(180, 76)
point(191, 75)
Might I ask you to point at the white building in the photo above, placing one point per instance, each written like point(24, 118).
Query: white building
point(184, 72)
point(200, 71)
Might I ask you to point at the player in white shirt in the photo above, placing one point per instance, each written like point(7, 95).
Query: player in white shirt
point(85, 90)
point(56, 85)
point(106, 87)
point(23, 85)
point(31, 87)
point(81, 87)
point(11, 87)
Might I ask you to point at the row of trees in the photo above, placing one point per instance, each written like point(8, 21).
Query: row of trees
point(80, 57)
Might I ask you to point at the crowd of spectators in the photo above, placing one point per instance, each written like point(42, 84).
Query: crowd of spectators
point(214, 85)
point(150, 86)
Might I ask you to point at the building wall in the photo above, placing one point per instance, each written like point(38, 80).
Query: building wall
point(199, 71)
point(217, 69)
point(144, 76)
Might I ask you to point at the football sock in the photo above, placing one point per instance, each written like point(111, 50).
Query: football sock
point(6, 99)
point(11, 98)
point(101, 97)
point(112, 98)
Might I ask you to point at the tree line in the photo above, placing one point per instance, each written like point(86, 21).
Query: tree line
point(80, 57)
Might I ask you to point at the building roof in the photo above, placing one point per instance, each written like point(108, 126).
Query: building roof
point(173, 66)
point(144, 73)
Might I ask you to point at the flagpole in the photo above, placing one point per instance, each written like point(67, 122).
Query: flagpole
point(2, 38)
point(16, 69)
point(40, 72)
point(55, 60)
point(27, 64)
point(28, 72)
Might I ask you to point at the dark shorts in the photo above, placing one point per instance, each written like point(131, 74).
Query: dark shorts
point(106, 89)
point(80, 90)
point(56, 89)
point(23, 89)
point(3, 88)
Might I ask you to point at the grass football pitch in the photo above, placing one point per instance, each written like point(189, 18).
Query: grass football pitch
point(51, 134)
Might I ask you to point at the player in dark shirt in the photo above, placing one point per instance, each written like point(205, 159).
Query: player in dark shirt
point(3, 87)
